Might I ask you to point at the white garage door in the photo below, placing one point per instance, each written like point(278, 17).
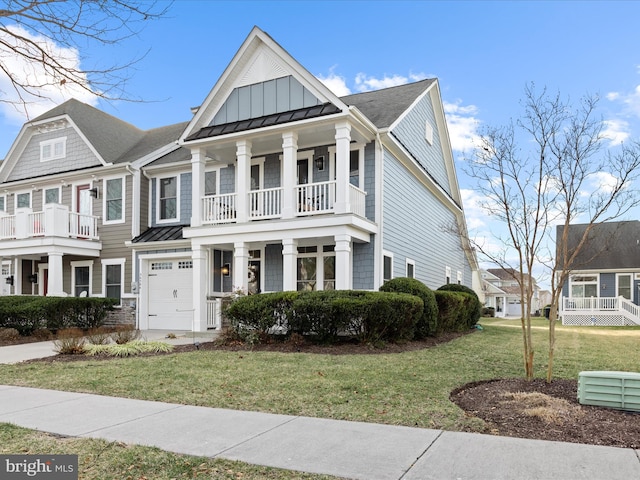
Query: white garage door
point(171, 294)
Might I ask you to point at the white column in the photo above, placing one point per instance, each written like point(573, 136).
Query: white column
point(243, 179)
point(343, 140)
point(289, 159)
point(289, 264)
point(197, 185)
point(17, 275)
point(54, 285)
point(241, 266)
point(199, 257)
point(344, 272)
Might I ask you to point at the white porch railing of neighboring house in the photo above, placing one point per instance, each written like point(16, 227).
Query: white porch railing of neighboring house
point(59, 223)
point(265, 203)
point(219, 208)
point(357, 199)
point(214, 313)
point(601, 311)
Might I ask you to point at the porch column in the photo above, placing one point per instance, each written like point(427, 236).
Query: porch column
point(241, 266)
point(199, 258)
point(343, 140)
point(344, 272)
point(197, 185)
point(54, 281)
point(17, 276)
point(289, 158)
point(243, 180)
point(289, 264)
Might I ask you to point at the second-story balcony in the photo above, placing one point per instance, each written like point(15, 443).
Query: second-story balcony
point(309, 199)
point(54, 220)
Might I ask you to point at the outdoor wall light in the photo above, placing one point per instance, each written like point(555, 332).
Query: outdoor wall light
point(93, 192)
point(226, 269)
point(320, 162)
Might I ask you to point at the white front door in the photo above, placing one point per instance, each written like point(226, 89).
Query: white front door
point(170, 294)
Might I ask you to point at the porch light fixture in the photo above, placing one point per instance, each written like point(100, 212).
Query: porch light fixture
point(93, 192)
point(226, 269)
point(320, 163)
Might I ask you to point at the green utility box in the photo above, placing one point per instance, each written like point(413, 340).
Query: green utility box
point(619, 390)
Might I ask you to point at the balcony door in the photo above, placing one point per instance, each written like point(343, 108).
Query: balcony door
point(83, 209)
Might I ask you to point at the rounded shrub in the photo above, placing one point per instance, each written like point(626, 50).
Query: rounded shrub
point(427, 324)
point(473, 310)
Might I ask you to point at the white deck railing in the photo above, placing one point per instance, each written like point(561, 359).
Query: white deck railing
point(357, 199)
point(219, 208)
point(55, 221)
point(599, 311)
point(315, 198)
point(214, 313)
point(83, 226)
point(265, 203)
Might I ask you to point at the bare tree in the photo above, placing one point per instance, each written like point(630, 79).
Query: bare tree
point(549, 182)
point(36, 31)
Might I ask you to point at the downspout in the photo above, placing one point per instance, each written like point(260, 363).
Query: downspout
point(378, 213)
point(135, 231)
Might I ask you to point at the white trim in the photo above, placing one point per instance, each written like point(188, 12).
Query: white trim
point(41, 268)
point(82, 263)
point(52, 148)
point(459, 277)
point(215, 169)
point(105, 180)
point(386, 253)
point(158, 180)
point(113, 261)
point(22, 192)
point(53, 187)
point(447, 275)
point(428, 132)
point(4, 207)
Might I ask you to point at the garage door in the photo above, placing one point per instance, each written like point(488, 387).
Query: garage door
point(171, 294)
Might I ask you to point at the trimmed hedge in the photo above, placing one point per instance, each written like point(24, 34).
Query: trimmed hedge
point(325, 315)
point(455, 311)
point(474, 307)
point(29, 313)
point(427, 324)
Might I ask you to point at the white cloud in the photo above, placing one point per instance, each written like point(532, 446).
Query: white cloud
point(365, 83)
point(49, 88)
point(463, 125)
point(473, 211)
point(630, 100)
point(335, 83)
point(616, 131)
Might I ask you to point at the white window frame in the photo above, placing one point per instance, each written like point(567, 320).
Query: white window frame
point(29, 192)
point(4, 203)
point(459, 277)
point(105, 181)
point(389, 255)
point(319, 255)
point(630, 275)
point(411, 262)
point(52, 145)
point(44, 194)
point(428, 132)
point(578, 279)
point(159, 179)
point(81, 263)
point(113, 261)
point(215, 170)
point(447, 275)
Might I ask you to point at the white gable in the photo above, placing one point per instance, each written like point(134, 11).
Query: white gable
point(264, 66)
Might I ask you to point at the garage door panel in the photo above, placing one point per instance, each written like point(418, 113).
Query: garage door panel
point(171, 294)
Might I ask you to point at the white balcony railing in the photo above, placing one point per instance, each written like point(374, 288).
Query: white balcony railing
point(603, 311)
point(357, 199)
point(315, 198)
point(265, 203)
point(55, 221)
point(219, 208)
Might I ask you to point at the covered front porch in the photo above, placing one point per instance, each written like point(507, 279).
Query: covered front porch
point(599, 311)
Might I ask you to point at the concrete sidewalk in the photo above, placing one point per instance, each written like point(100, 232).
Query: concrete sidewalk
point(340, 448)
point(29, 351)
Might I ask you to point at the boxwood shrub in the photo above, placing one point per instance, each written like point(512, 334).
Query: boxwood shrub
point(428, 321)
point(454, 311)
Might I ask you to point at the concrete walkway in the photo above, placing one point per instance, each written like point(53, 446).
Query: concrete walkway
point(344, 449)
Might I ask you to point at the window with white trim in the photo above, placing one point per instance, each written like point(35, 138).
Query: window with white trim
point(211, 182)
point(411, 268)
point(52, 195)
point(81, 277)
point(387, 267)
point(316, 268)
point(584, 286)
point(113, 278)
point(113, 205)
point(23, 200)
point(428, 133)
point(168, 198)
point(459, 277)
point(3, 203)
point(447, 275)
point(53, 149)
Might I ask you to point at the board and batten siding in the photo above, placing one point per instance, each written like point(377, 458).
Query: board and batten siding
point(78, 155)
point(417, 226)
point(410, 131)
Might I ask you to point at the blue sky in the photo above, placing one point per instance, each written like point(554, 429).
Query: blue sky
point(482, 52)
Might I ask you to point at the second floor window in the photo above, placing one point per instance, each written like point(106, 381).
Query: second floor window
point(168, 198)
point(113, 199)
point(23, 200)
point(53, 149)
point(52, 195)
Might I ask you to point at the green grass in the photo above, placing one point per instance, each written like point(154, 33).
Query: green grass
point(102, 460)
point(410, 388)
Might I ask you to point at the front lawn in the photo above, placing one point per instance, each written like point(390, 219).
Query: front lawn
point(410, 388)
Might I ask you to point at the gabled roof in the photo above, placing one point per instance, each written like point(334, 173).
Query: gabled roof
point(383, 107)
point(610, 245)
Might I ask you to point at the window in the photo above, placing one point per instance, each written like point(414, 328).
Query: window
point(53, 149)
point(428, 133)
point(113, 282)
point(624, 286)
point(168, 198)
point(411, 267)
point(459, 276)
point(3, 206)
point(354, 167)
point(583, 286)
point(447, 275)
point(210, 183)
point(114, 200)
point(52, 195)
point(23, 200)
point(387, 268)
point(81, 273)
point(316, 269)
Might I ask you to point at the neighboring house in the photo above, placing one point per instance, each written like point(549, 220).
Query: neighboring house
point(502, 292)
point(275, 184)
point(603, 287)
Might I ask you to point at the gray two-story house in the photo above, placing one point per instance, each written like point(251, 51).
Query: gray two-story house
point(275, 184)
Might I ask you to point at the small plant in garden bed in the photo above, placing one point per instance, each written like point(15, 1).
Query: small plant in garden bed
point(70, 341)
point(125, 334)
point(135, 347)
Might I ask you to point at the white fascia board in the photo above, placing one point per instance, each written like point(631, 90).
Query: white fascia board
point(67, 177)
point(177, 168)
point(165, 245)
